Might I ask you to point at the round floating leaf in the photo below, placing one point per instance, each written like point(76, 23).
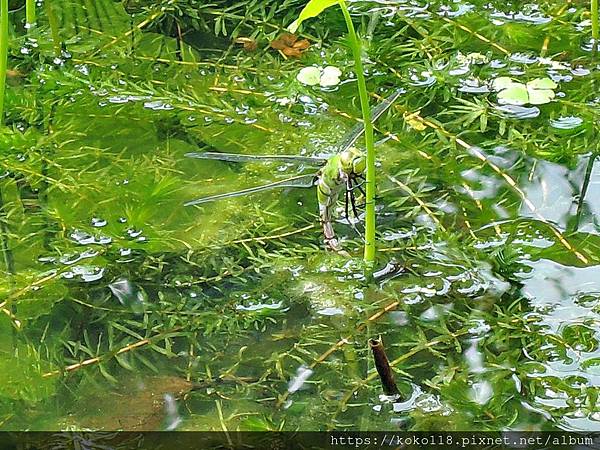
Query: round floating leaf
point(501, 83)
point(542, 83)
point(310, 76)
point(540, 96)
point(330, 76)
point(515, 94)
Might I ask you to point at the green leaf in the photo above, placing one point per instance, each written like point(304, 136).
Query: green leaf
point(542, 83)
point(309, 76)
point(330, 76)
point(501, 83)
point(312, 9)
point(540, 91)
point(516, 94)
point(540, 96)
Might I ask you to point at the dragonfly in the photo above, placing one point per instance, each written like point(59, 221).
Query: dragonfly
point(340, 173)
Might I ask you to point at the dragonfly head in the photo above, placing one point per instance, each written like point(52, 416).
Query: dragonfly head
point(353, 161)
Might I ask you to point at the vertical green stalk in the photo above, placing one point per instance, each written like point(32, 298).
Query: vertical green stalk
point(30, 13)
point(53, 22)
point(3, 54)
point(594, 13)
point(369, 254)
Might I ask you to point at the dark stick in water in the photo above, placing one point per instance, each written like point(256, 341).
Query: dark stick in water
point(383, 367)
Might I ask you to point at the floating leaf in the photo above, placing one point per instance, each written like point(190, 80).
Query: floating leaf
point(542, 83)
point(330, 76)
point(312, 9)
point(535, 92)
point(502, 83)
point(515, 94)
point(540, 91)
point(310, 76)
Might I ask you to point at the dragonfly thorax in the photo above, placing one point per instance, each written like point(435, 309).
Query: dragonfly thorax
point(352, 161)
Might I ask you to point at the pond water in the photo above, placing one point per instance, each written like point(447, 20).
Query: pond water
point(233, 313)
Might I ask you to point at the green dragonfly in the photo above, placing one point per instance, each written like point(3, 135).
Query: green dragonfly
point(343, 171)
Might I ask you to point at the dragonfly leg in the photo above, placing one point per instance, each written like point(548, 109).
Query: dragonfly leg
point(353, 201)
point(360, 189)
point(347, 202)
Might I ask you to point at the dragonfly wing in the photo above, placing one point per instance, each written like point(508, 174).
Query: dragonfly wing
point(234, 157)
point(301, 181)
point(353, 135)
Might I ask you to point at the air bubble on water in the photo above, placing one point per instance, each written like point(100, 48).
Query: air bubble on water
point(82, 238)
point(158, 105)
point(122, 220)
point(133, 233)
point(58, 61)
point(47, 259)
point(518, 112)
point(124, 251)
point(590, 45)
point(580, 71)
point(98, 222)
point(566, 122)
point(25, 51)
point(87, 274)
point(83, 69)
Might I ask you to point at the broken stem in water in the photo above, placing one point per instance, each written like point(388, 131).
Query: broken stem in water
point(382, 365)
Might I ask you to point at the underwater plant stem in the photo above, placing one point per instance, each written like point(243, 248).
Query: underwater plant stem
point(30, 13)
point(594, 14)
point(382, 365)
point(3, 54)
point(369, 254)
point(53, 22)
point(584, 189)
point(7, 256)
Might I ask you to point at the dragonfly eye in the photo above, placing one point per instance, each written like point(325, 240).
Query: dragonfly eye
point(359, 164)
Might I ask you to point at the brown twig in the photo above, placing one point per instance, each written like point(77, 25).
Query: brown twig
point(382, 365)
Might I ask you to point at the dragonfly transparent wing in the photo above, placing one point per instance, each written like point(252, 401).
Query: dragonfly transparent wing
point(352, 136)
point(235, 157)
point(300, 181)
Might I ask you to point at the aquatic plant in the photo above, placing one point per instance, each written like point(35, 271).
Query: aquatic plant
point(30, 16)
point(312, 9)
point(3, 54)
point(595, 21)
point(115, 282)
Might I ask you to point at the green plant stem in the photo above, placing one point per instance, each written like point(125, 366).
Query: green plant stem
point(369, 254)
point(3, 54)
point(594, 14)
point(53, 22)
point(30, 13)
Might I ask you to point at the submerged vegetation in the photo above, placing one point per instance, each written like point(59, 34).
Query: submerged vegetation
point(486, 283)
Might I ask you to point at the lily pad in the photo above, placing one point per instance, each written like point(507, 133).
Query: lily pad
point(515, 94)
point(541, 91)
point(310, 76)
point(330, 76)
point(535, 92)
